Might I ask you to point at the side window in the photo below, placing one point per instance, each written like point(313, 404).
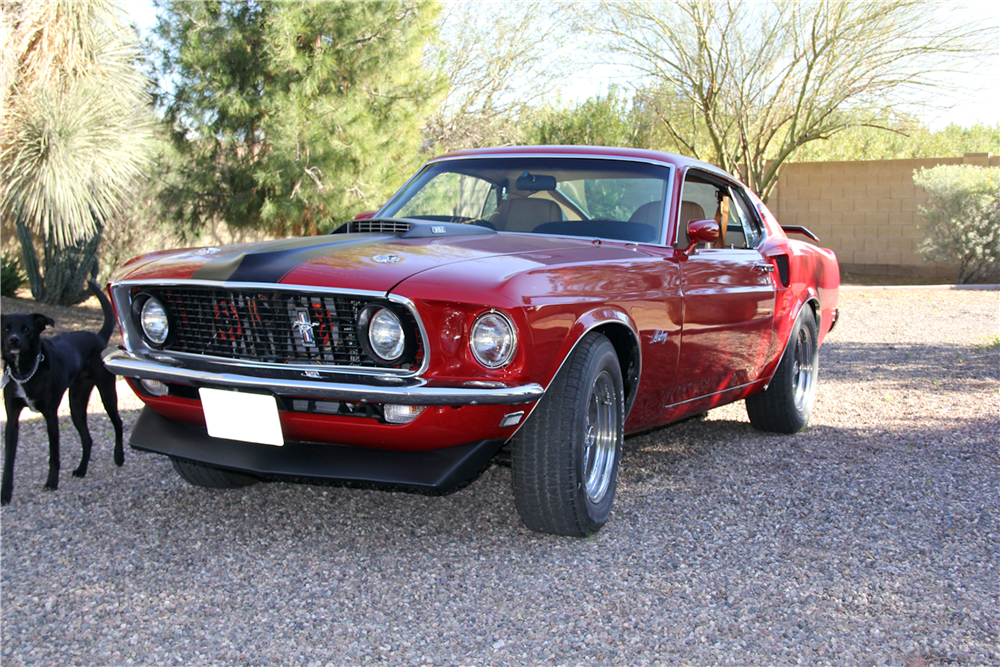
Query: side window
point(492, 202)
point(705, 196)
point(752, 229)
point(736, 228)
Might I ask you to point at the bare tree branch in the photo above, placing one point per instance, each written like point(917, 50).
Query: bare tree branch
point(764, 78)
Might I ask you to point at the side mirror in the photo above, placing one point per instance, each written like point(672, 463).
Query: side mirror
point(702, 231)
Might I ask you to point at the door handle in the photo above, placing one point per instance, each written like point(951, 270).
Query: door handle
point(763, 267)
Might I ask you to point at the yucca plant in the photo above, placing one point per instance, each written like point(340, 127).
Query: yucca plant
point(76, 131)
point(11, 277)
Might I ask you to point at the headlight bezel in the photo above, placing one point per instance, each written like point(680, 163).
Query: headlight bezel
point(408, 343)
point(141, 305)
point(507, 354)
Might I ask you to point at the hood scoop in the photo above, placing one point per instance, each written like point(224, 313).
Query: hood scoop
point(412, 229)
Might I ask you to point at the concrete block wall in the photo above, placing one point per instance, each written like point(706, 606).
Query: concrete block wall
point(865, 211)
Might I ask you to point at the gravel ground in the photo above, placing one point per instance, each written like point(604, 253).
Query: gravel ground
point(872, 538)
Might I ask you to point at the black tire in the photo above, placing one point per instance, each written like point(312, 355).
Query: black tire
point(565, 459)
point(199, 474)
point(788, 402)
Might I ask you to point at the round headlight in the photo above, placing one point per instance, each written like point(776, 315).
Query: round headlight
point(385, 335)
point(153, 319)
point(493, 340)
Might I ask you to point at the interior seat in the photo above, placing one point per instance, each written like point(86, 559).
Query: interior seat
point(689, 211)
point(650, 213)
point(523, 214)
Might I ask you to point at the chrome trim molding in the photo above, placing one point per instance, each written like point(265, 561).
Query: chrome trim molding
point(558, 156)
point(660, 243)
point(415, 392)
point(714, 393)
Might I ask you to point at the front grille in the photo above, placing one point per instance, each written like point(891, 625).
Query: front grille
point(268, 326)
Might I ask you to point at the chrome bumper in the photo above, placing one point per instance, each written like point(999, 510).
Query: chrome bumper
point(406, 392)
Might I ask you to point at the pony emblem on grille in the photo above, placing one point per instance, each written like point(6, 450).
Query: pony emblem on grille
point(304, 326)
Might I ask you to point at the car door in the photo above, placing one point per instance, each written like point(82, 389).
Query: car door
point(728, 290)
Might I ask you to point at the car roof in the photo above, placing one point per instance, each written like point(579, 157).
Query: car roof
point(611, 152)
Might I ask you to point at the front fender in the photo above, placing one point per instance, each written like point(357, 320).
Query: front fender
point(621, 330)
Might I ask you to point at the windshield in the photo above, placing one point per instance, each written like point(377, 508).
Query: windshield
point(611, 199)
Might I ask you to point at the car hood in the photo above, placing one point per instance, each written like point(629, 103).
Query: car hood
point(359, 261)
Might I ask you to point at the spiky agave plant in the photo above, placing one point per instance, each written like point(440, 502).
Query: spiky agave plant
point(76, 134)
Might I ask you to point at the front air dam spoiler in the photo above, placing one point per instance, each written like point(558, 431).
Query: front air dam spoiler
point(428, 471)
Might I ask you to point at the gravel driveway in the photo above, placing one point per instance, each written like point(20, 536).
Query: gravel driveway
point(872, 538)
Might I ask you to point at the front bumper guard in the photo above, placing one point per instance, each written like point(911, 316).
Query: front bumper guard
point(412, 391)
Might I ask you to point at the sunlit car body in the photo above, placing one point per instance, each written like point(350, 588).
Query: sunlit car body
point(550, 299)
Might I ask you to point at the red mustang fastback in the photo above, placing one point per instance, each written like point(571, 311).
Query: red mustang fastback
point(541, 301)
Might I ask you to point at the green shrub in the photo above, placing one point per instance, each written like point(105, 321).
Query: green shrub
point(11, 277)
point(962, 219)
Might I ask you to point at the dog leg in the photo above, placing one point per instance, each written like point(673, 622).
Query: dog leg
point(109, 396)
point(52, 424)
point(79, 397)
point(14, 408)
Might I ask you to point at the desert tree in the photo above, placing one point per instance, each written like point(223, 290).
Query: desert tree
point(75, 134)
point(750, 82)
point(501, 60)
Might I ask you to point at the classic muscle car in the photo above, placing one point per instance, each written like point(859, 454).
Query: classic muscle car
point(543, 301)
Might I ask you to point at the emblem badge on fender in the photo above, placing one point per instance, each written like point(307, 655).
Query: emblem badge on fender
point(304, 326)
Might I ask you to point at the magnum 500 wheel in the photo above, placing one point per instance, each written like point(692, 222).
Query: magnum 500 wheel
point(565, 458)
point(788, 401)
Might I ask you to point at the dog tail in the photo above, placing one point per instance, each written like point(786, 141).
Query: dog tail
point(109, 313)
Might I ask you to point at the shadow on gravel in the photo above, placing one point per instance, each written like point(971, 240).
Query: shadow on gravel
point(148, 491)
point(695, 448)
point(909, 365)
point(146, 495)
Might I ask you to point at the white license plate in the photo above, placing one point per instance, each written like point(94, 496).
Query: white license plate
point(246, 417)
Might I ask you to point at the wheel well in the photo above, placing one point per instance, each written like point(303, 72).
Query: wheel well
point(627, 349)
point(817, 314)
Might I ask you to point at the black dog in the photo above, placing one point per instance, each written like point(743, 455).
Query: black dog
point(37, 372)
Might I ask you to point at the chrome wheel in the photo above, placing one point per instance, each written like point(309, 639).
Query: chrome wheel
point(600, 438)
point(785, 406)
point(564, 461)
point(804, 369)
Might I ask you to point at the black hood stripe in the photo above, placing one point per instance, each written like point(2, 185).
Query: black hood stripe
point(272, 262)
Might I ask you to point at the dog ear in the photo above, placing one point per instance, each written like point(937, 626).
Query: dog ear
point(42, 321)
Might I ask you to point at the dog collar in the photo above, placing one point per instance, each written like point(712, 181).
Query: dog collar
point(13, 376)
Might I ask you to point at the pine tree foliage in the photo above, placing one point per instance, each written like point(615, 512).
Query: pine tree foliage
point(292, 117)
